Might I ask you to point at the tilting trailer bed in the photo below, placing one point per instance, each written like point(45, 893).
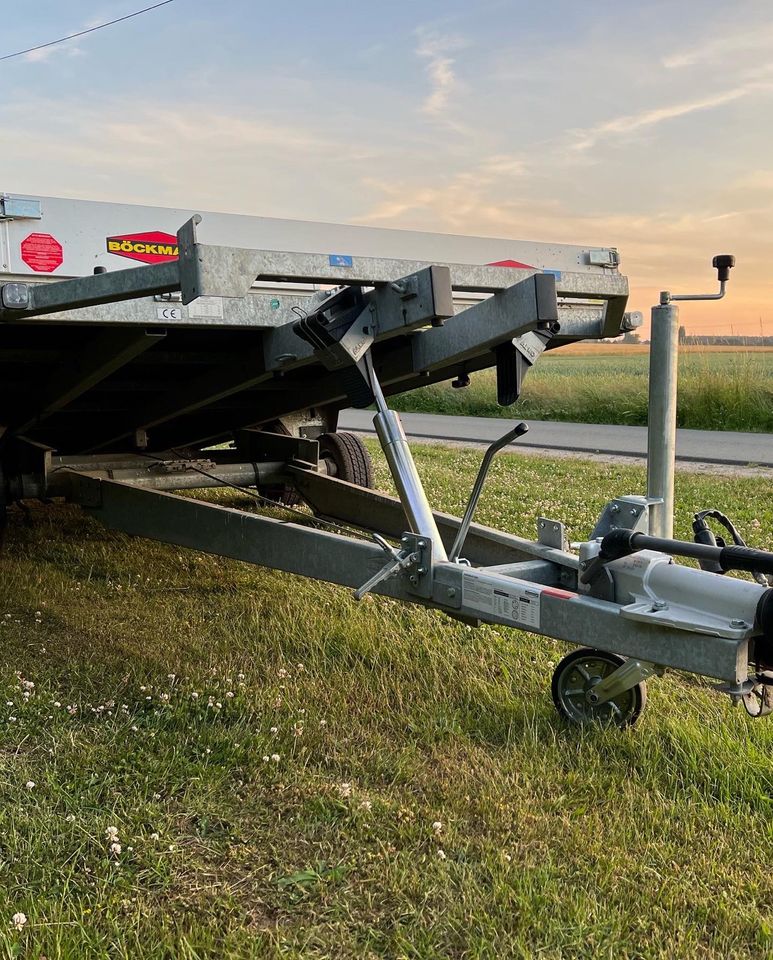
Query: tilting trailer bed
point(212, 364)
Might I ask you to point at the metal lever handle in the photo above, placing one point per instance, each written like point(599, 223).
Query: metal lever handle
point(391, 568)
point(477, 489)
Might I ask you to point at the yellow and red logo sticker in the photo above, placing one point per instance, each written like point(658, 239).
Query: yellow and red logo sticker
point(151, 247)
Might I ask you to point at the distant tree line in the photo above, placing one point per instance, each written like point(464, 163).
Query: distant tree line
point(704, 340)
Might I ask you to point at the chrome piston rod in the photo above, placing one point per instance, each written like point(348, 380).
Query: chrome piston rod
point(398, 456)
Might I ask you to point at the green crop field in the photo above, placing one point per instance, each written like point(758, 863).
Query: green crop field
point(201, 759)
point(718, 389)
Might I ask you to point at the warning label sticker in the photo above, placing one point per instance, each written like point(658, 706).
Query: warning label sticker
point(206, 308)
point(41, 252)
point(514, 603)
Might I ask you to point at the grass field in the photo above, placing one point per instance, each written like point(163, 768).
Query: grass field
point(200, 759)
point(719, 389)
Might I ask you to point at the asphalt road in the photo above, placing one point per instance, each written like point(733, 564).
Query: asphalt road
point(703, 446)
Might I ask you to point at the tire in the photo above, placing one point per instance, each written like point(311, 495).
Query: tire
point(579, 672)
point(347, 458)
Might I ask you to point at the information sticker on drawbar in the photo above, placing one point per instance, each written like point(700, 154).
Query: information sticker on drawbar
point(517, 604)
point(206, 308)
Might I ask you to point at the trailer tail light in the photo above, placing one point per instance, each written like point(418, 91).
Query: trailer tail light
point(15, 296)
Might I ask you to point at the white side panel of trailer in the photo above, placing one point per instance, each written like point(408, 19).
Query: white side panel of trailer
point(82, 228)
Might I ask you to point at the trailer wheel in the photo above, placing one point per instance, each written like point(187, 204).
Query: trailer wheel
point(577, 674)
point(347, 458)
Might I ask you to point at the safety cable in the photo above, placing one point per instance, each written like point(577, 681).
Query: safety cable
point(703, 534)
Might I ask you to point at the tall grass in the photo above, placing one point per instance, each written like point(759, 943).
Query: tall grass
point(717, 391)
point(291, 774)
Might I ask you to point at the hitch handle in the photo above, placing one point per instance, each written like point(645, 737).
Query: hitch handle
point(621, 543)
point(488, 456)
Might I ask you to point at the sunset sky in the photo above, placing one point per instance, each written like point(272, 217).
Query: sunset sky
point(645, 124)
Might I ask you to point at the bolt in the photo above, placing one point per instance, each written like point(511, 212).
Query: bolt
point(421, 571)
point(583, 565)
point(555, 527)
point(421, 544)
point(615, 508)
point(659, 605)
point(738, 623)
point(542, 524)
point(451, 591)
point(404, 540)
point(634, 512)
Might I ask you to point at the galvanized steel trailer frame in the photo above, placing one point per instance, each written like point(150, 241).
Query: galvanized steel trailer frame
point(627, 601)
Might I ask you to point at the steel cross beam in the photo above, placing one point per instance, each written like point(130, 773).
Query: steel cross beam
point(412, 302)
point(465, 339)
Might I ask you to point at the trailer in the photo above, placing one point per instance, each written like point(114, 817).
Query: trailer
point(226, 361)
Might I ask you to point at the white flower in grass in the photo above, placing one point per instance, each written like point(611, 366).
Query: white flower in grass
point(441, 853)
point(70, 818)
point(230, 695)
point(111, 834)
point(275, 757)
point(115, 849)
point(30, 784)
point(274, 730)
point(155, 836)
point(437, 827)
point(281, 673)
point(266, 758)
point(19, 920)
point(366, 805)
point(344, 790)
point(194, 696)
